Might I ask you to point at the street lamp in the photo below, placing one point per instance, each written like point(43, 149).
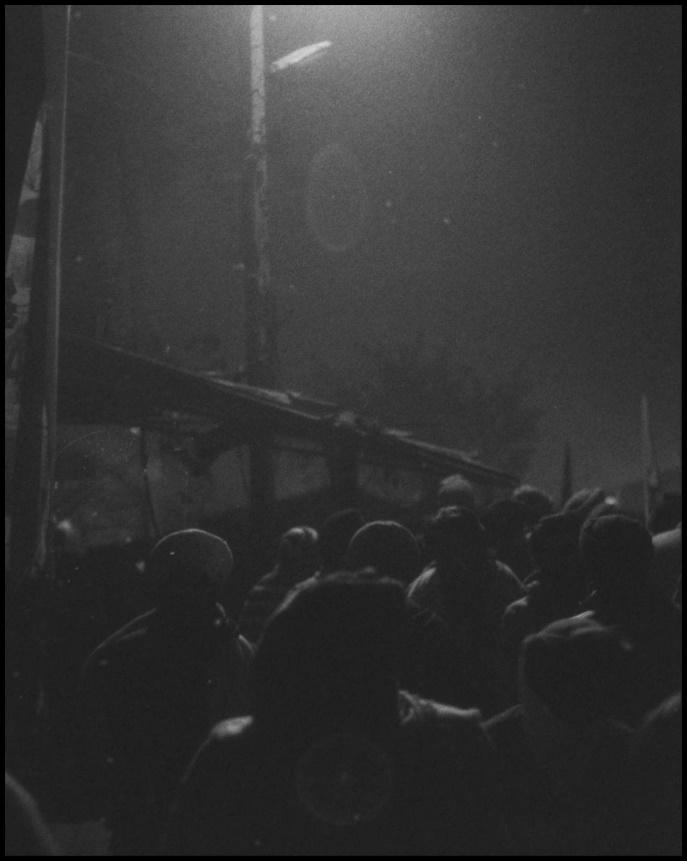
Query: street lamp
point(261, 330)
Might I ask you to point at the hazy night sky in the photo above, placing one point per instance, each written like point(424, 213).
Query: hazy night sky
point(522, 170)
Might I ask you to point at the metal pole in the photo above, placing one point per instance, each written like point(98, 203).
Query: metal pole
point(259, 307)
point(260, 326)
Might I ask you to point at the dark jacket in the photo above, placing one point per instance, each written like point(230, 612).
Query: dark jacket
point(150, 694)
point(422, 786)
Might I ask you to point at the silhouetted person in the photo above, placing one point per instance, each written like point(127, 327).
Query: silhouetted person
point(557, 585)
point(392, 551)
point(456, 490)
point(152, 690)
point(297, 560)
point(386, 546)
point(507, 524)
point(668, 513)
point(667, 564)
point(470, 592)
point(26, 832)
point(562, 757)
point(617, 554)
point(656, 782)
point(537, 503)
point(334, 759)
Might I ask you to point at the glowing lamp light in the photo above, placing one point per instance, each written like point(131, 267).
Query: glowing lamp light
point(300, 57)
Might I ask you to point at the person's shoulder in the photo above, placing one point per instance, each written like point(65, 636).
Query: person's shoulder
point(518, 608)
point(504, 723)
point(422, 581)
point(417, 709)
point(124, 639)
point(505, 574)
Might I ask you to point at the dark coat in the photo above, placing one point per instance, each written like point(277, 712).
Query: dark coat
point(422, 786)
point(150, 694)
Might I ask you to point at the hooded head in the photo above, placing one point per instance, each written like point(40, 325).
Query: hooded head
point(537, 503)
point(330, 656)
point(455, 536)
point(554, 547)
point(616, 553)
point(456, 490)
point(386, 546)
point(189, 569)
point(578, 669)
point(298, 553)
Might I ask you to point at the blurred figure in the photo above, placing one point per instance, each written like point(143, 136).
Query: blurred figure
point(562, 758)
point(557, 586)
point(656, 812)
point(334, 759)
point(392, 551)
point(470, 593)
point(456, 490)
point(667, 564)
point(617, 555)
point(507, 524)
point(153, 689)
point(537, 503)
point(26, 833)
point(335, 536)
point(297, 559)
point(589, 503)
point(668, 513)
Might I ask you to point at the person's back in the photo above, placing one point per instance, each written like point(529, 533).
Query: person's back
point(297, 560)
point(617, 553)
point(152, 690)
point(335, 759)
point(470, 592)
point(656, 781)
point(562, 758)
point(557, 585)
point(667, 565)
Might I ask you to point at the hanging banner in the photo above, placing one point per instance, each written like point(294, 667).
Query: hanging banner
point(19, 272)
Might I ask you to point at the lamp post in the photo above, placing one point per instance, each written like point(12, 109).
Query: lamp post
point(260, 310)
point(258, 297)
point(261, 327)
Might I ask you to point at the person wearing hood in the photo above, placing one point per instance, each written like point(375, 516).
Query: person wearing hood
point(557, 586)
point(335, 758)
point(153, 689)
point(392, 552)
point(298, 559)
point(562, 755)
point(470, 593)
point(617, 554)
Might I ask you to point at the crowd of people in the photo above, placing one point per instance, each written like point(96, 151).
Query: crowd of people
point(502, 681)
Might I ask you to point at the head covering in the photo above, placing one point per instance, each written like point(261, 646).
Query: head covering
point(505, 520)
point(537, 503)
point(386, 546)
point(456, 490)
point(330, 655)
point(577, 668)
point(616, 552)
point(298, 552)
point(588, 503)
point(335, 536)
point(456, 536)
point(189, 567)
point(554, 542)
